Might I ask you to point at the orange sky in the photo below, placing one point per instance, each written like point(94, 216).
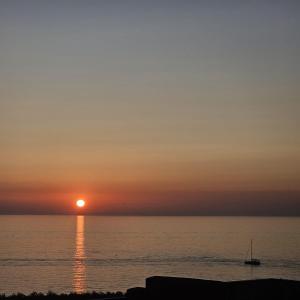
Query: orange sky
point(174, 110)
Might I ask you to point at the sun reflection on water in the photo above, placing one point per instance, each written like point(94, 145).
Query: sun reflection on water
point(79, 279)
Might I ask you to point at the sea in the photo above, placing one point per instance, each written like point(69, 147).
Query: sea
point(103, 253)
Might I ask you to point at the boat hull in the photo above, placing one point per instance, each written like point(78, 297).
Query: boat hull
point(253, 262)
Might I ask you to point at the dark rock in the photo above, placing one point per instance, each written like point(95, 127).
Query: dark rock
point(159, 287)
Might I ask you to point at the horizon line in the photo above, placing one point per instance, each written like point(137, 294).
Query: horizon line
point(151, 215)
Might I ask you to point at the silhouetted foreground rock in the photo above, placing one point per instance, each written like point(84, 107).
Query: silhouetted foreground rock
point(169, 288)
point(186, 288)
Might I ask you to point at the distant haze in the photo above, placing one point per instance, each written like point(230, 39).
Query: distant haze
point(150, 107)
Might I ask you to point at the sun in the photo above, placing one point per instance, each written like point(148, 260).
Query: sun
point(80, 203)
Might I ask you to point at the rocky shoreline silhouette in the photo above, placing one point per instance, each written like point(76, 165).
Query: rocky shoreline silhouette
point(160, 287)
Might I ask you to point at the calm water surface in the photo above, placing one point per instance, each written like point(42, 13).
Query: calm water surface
point(76, 253)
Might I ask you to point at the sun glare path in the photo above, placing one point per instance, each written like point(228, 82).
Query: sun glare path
point(80, 203)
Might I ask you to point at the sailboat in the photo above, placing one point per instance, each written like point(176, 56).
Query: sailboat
point(252, 261)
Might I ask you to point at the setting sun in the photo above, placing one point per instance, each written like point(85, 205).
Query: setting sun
point(80, 203)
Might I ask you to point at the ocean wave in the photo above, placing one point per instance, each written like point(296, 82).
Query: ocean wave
point(144, 260)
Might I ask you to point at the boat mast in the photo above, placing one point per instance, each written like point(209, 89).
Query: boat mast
point(251, 250)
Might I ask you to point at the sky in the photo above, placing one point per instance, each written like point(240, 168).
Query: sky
point(150, 107)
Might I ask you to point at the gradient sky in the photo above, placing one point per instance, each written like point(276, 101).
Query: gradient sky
point(150, 107)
